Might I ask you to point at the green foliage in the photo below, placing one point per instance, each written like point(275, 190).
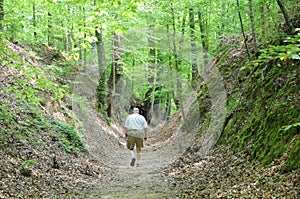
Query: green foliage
point(31, 81)
point(61, 70)
point(294, 156)
point(69, 137)
point(283, 52)
point(26, 123)
point(287, 127)
point(22, 124)
point(289, 51)
point(27, 164)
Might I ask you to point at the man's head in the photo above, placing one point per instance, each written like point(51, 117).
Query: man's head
point(135, 110)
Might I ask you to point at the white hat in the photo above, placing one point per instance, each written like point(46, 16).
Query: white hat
point(135, 109)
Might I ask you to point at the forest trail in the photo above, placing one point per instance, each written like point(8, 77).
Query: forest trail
point(121, 180)
point(134, 182)
point(210, 177)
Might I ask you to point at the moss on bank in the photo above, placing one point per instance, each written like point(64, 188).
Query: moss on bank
point(263, 99)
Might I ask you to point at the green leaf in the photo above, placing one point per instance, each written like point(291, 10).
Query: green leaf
point(295, 56)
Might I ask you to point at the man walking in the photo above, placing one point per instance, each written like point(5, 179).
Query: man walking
point(135, 132)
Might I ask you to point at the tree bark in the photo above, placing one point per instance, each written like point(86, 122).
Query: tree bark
point(204, 38)
point(101, 88)
point(151, 71)
point(152, 53)
point(286, 16)
point(115, 84)
point(1, 14)
point(242, 27)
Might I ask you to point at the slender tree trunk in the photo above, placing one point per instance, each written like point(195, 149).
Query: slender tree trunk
point(152, 53)
point(49, 31)
point(1, 14)
point(204, 39)
point(178, 82)
point(83, 50)
point(65, 38)
point(101, 53)
point(118, 83)
point(221, 23)
point(151, 72)
point(102, 95)
point(34, 19)
point(168, 105)
point(69, 41)
point(263, 20)
point(286, 16)
point(115, 85)
point(178, 101)
point(194, 46)
point(179, 85)
point(102, 86)
point(242, 27)
point(253, 28)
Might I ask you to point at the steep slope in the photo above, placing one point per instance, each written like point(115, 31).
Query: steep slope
point(258, 152)
point(42, 154)
point(263, 101)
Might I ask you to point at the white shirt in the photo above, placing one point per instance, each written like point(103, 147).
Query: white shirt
point(136, 122)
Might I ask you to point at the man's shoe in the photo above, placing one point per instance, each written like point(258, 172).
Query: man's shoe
point(132, 162)
point(138, 164)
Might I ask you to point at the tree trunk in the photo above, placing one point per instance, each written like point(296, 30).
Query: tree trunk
point(242, 27)
point(115, 84)
point(263, 21)
point(151, 70)
point(49, 27)
point(118, 83)
point(176, 57)
point(101, 88)
point(1, 14)
point(286, 16)
point(69, 41)
point(253, 28)
point(152, 53)
point(177, 61)
point(178, 99)
point(83, 50)
point(204, 38)
point(168, 107)
point(194, 46)
point(34, 19)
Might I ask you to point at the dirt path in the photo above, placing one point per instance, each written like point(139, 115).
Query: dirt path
point(135, 182)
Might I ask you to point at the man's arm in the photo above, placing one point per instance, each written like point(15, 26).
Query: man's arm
point(145, 134)
point(126, 132)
